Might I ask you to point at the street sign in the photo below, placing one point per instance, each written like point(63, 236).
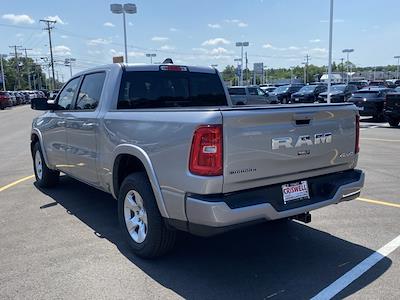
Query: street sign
point(118, 59)
point(258, 68)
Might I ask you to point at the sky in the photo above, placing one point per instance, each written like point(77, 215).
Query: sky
point(280, 32)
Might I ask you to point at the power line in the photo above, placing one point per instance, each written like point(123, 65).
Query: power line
point(49, 28)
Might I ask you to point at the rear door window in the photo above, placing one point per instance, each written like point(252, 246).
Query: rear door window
point(237, 91)
point(162, 89)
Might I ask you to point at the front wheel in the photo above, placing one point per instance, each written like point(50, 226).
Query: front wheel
point(140, 220)
point(45, 177)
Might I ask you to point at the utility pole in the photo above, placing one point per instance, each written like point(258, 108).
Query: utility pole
point(247, 61)
point(49, 27)
point(2, 56)
point(307, 57)
point(16, 64)
point(27, 66)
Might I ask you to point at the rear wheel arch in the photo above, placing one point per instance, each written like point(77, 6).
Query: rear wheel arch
point(131, 159)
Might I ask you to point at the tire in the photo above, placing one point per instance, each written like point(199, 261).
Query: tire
point(394, 122)
point(45, 177)
point(148, 235)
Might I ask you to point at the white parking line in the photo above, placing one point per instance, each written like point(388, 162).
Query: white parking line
point(341, 283)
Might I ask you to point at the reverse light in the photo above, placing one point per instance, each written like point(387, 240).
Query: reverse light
point(206, 157)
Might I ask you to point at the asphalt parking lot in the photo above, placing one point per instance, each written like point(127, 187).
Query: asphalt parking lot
point(65, 242)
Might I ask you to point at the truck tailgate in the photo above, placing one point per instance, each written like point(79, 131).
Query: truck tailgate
point(269, 145)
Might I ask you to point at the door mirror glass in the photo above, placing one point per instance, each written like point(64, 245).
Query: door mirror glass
point(42, 104)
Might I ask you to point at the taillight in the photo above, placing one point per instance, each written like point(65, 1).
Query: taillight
point(357, 147)
point(206, 154)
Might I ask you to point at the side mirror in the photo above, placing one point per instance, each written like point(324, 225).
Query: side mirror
point(42, 104)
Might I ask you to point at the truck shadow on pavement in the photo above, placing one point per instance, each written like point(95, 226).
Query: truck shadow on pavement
point(279, 260)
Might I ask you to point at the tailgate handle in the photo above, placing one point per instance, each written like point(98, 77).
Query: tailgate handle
point(302, 119)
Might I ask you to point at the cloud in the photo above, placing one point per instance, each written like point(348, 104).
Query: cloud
point(219, 51)
point(136, 54)
point(172, 29)
point(18, 19)
point(64, 36)
point(19, 35)
point(319, 50)
point(159, 39)
point(315, 41)
point(57, 19)
point(115, 52)
point(242, 24)
point(62, 50)
point(216, 41)
point(167, 47)
point(108, 24)
point(231, 20)
point(290, 48)
point(268, 46)
point(214, 26)
point(334, 21)
point(99, 41)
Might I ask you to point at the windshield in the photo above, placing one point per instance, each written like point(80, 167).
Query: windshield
point(236, 91)
point(281, 89)
point(338, 88)
point(307, 89)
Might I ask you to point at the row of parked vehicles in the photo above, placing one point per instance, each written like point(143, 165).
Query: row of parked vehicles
point(13, 98)
point(371, 98)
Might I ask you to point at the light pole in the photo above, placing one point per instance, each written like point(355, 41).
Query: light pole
point(348, 51)
point(2, 71)
point(398, 64)
point(238, 61)
point(241, 44)
point(151, 55)
point(68, 63)
point(328, 97)
point(291, 75)
point(128, 8)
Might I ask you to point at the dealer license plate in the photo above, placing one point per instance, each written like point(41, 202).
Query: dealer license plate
point(295, 191)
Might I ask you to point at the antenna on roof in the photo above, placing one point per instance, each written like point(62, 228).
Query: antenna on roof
point(168, 61)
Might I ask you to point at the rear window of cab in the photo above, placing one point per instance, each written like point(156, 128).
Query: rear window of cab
point(169, 89)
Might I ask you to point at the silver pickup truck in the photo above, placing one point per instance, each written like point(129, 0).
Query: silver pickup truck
point(167, 143)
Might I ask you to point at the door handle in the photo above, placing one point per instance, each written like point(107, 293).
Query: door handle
point(88, 125)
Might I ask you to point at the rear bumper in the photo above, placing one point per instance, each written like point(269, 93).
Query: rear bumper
point(392, 113)
point(210, 214)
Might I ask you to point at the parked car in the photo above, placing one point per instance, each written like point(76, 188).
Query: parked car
point(377, 83)
point(20, 98)
point(392, 83)
point(268, 88)
point(26, 96)
point(359, 84)
point(166, 141)
point(392, 107)
point(370, 101)
point(284, 92)
point(5, 100)
point(53, 94)
point(250, 95)
point(13, 99)
point(339, 93)
point(308, 93)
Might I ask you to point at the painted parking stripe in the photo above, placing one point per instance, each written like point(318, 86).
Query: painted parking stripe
point(379, 202)
point(3, 188)
point(341, 283)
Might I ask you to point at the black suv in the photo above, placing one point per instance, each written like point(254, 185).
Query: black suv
point(284, 92)
point(370, 101)
point(308, 94)
point(392, 108)
point(339, 93)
